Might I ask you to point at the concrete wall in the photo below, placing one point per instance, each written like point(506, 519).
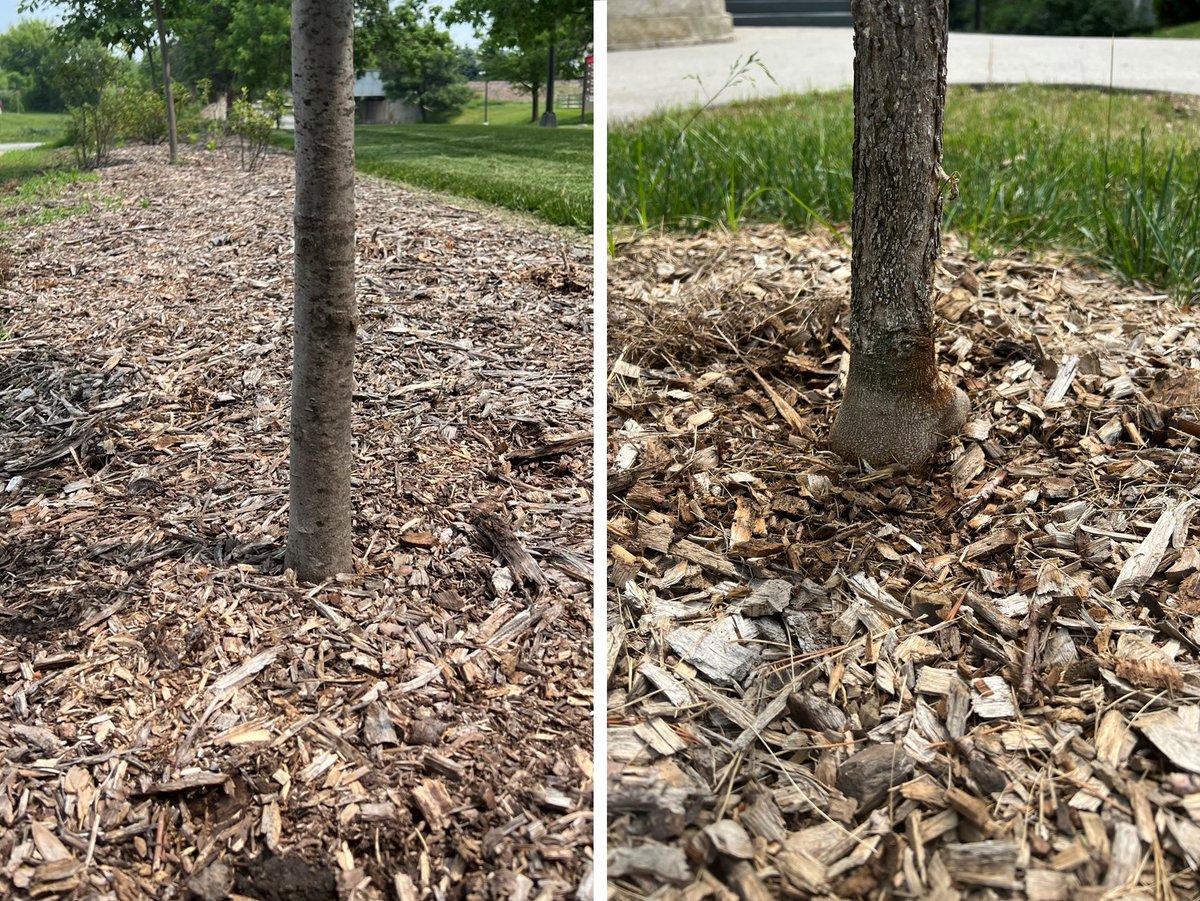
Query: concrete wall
point(381, 111)
point(658, 23)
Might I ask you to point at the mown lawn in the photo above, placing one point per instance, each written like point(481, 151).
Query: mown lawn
point(500, 112)
point(1114, 177)
point(543, 171)
point(513, 112)
point(25, 128)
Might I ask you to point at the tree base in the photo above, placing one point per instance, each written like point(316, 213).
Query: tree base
point(548, 120)
point(882, 427)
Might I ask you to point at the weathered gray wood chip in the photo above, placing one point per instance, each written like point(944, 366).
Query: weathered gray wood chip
point(722, 662)
point(666, 863)
point(868, 775)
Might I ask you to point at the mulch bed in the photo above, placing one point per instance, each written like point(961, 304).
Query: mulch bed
point(974, 682)
point(179, 717)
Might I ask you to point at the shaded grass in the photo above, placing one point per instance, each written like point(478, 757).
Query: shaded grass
point(1114, 177)
point(546, 172)
point(1187, 30)
point(25, 128)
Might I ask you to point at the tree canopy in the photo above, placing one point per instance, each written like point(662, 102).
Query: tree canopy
point(518, 36)
point(50, 70)
point(28, 53)
point(420, 64)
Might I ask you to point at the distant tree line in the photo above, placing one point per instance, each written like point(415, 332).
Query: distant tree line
point(242, 48)
point(1100, 18)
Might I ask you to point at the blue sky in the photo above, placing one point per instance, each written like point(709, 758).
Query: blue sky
point(462, 34)
point(9, 16)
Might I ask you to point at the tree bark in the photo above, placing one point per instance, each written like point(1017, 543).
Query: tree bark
point(168, 92)
point(326, 317)
point(897, 406)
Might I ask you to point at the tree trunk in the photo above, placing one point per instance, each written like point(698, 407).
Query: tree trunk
point(150, 59)
point(549, 119)
point(326, 318)
point(168, 93)
point(534, 93)
point(897, 407)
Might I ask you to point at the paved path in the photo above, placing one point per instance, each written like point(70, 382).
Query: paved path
point(805, 59)
point(4, 148)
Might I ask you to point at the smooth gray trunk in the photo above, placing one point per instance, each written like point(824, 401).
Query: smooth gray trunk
point(326, 316)
point(897, 406)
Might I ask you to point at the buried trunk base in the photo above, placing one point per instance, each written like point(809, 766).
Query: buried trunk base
point(882, 426)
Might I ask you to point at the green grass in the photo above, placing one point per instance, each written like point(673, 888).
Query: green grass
point(500, 112)
point(1038, 168)
point(546, 172)
point(26, 128)
point(32, 183)
point(1187, 30)
point(513, 112)
point(20, 165)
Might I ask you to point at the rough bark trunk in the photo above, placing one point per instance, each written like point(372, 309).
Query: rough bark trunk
point(534, 93)
point(326, 317)
point(168, 91)
point(897, 406)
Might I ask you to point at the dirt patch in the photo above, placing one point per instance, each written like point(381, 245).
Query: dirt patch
point(966, 683)
point(286, 879)
point(173, 700)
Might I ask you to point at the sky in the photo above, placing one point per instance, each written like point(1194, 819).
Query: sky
point(462, 34)
point(9, 16)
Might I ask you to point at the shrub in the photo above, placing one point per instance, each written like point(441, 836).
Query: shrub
point(143, 116)
point(275, 104)
point(1177, 12)
point(1058, 17)
point(253, 129)
point(188, 105)
point(93, 129)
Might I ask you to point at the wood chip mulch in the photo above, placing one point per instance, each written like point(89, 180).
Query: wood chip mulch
point(976, 682)
point(178, 717)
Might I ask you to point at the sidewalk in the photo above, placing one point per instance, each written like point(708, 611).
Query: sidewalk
point(4, 148)
point(806, 59)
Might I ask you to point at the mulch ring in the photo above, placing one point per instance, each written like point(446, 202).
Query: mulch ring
point(976, 682)
point(181, 718)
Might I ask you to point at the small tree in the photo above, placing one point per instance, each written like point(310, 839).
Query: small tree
point(253, 129)
point(93, 129)
point(897, 407)
point(131, 24)
point(547, 29)
point(423, 67)
point(326, 316)
point(524, 71)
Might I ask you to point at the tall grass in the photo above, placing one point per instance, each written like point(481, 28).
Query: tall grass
point(1114, 177)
